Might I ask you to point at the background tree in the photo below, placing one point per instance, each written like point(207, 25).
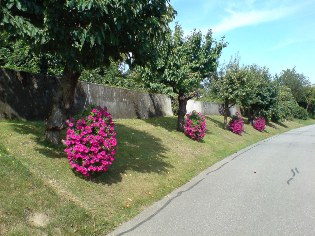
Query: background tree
point(310, 98)
point(84, 34)
point(260, 93)
point(229, 85)
point(285, 104)
point(182, 64)
point(117, 74)
point(298, 83)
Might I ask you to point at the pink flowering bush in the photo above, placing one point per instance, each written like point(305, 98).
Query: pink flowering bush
point(259, 124)
point(236, 124)
point(91, 142)
point(195, 126)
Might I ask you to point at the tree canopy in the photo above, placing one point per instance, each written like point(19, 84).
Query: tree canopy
point(260, 92)
point(87, 33)
point(285, 104)
point(84, 34)
point(298, 83)
point(182, 64)
point(229, 85)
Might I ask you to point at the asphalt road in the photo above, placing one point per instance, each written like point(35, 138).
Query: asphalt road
point(266, 189)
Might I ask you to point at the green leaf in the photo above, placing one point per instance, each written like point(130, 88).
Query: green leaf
point(92, 40)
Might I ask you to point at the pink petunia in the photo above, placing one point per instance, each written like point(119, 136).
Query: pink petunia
point(91, 144)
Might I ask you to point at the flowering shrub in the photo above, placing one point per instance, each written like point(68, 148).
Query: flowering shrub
point(259, 124)
point(91, 142)
point(236, 124)
point(195, 126)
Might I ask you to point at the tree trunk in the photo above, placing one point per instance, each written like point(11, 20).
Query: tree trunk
point(250, 116)
point(226, 113)
point(307, 106)
point(182, 102)
point(62, 103)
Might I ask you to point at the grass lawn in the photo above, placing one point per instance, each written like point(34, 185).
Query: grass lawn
point(40, 195)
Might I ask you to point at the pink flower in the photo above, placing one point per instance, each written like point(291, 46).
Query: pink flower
point(259, 124)
point(113, 142)
point(88, 129)
point(236, 124)
point(91, 144)
point(195, 126)
point(70, 131)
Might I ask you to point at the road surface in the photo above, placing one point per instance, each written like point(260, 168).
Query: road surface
point(266, 189)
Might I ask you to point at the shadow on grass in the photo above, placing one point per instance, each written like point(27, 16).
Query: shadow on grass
point(281, 124)
point(220, 124)
point(271, 125)
point(37, 129)
point(137, 151)
point(168, 123)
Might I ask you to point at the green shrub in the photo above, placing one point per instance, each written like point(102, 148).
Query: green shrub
point(284, 107)
point(300, 113)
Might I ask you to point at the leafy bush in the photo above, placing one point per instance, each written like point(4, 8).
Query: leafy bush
point(236, 124)
point(300, 113)
point(285, 105)
point(91, 142)
point(259, 124)
point(195, 126)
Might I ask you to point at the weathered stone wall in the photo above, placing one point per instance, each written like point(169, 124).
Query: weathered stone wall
point(122, 103)
point(28, 96)
point(207, 108)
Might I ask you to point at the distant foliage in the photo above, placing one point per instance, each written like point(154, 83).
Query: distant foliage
point(236, 124)
point(298, 83)
point(91, 142)
point(285, 105)
point(195, 126)
point(300, 113)
point(175, 104)
point(260, 93)
point(229, 85)
point(259, 124)
point(116, 74)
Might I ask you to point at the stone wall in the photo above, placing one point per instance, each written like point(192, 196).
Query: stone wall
point(122, 103)
point(27, 96)
point(207, 108)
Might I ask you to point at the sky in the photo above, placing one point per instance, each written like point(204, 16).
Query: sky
point(278, 34)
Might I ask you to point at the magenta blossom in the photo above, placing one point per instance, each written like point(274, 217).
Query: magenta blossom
point(91, 142)
point(195, 126)
point(259, 124)
point(236, 124)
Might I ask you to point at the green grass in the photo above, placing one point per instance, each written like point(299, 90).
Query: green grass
point(152, 160)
